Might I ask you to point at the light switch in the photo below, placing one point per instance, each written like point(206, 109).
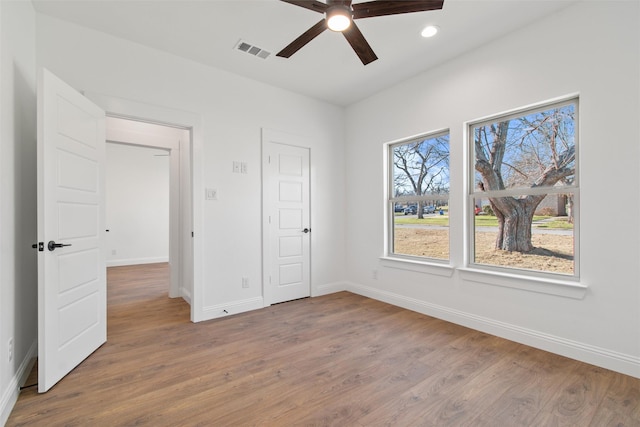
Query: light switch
point(211, 194)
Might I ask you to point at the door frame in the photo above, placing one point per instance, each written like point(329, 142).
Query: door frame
point(269, 136)
point(124, 108)
point(177, 178)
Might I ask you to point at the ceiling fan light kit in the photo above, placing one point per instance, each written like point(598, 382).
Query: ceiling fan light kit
point(340, 16)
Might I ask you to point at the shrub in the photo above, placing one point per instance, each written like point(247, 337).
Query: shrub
point(546, 211)
point(487, 210)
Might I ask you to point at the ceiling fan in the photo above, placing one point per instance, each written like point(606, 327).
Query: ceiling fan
point(340, 14)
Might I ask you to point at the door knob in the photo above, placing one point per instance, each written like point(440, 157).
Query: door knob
point(306, 230)
point(53, 245)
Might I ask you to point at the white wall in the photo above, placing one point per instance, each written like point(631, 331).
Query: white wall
point(137, 206)
point(18, 265)
point(557, 56)
point(232, 111)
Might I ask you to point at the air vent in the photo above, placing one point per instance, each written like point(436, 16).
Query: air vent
point(252, 50)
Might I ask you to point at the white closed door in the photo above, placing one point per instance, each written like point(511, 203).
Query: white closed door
point(287, 235)
point(72, 321)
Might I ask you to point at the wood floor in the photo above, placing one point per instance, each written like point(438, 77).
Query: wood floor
point(341, 360)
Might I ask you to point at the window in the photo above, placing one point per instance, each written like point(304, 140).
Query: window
point(524, 190)
point(418, 201)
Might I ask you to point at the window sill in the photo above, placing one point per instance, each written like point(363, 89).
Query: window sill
point(564, 288)
point(418, 266)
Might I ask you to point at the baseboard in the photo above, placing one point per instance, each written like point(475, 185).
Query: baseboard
point(11, 393)
point(619, 362)
point(186, 295)
point(329, 288)
point(135, 261)
point(234, 307)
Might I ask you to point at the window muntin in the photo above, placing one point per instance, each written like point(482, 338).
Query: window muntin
point(523, 190)
point(419, 197)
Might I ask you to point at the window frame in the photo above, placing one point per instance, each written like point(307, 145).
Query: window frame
point(390, 201)
point(472, 194)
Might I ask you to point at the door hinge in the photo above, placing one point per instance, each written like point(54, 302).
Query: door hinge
point(192, 234)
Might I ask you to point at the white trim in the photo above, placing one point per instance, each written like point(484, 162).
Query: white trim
point(559, 101)
point(524, 191)
point(135, 261)
point(328, 288)
point(526, 282)
point(270, 139)
point(11, 393)
point(124, 108)
point(234, 307)
point(563, 288)
point(418, 266)
point(608, 359)
point(185, 294)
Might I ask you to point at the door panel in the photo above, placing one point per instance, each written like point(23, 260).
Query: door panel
point(287, 215)
point(71, 279)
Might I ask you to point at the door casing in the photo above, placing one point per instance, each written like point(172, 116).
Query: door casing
point(271, 139)
point(191, 164)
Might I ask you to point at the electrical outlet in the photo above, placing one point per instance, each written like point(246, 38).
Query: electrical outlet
point(245, 282)
point(113, 252)
point(10, 349)
point(374, 274)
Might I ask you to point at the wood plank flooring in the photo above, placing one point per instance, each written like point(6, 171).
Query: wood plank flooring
point(336, 360)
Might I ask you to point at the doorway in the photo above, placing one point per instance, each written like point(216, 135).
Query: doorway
point(167, 144)
point(137, 205)
point(286, 218)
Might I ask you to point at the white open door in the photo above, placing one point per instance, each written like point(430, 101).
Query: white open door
point(72, 320)
point(286, 209)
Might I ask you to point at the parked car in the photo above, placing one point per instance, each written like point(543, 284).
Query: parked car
point(398, 208)
point(411, 210)
point(429, 209)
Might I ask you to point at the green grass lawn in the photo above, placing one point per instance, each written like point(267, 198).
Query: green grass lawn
point(484, 221)
point(432, 220)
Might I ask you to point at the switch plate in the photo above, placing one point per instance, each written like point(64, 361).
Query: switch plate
point(245, 282)
point(211, 194)
point(236, 167)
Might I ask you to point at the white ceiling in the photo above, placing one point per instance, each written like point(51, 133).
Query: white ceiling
point(207, 31)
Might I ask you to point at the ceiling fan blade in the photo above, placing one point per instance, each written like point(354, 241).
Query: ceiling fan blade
point(305, 38)
point(381, 8)
point(309, 4)
point(359, 44)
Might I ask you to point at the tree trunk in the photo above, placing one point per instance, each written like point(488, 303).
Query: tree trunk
point(515, 217)
point(570, 209)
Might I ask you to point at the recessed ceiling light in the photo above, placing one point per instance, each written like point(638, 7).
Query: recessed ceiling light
point(430, 31)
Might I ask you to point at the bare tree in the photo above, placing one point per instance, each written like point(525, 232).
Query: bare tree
point(536, 150)
point(421, 167)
